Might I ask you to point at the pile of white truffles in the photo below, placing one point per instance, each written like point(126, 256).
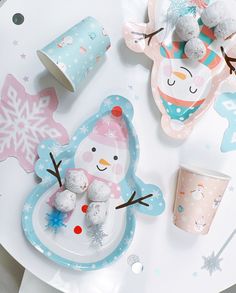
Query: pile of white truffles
point(98, 193)
point(214, 17)
point(187, 28)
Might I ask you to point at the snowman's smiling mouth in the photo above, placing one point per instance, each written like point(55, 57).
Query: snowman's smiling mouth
point(101, 169)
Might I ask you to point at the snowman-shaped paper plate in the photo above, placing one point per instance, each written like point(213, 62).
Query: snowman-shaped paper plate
point(183, 89)
point(105, 149)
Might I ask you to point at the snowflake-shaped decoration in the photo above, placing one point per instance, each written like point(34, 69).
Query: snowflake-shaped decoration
point(56, 220)
point(96, 234)
point(179, 8)
point(25, 120)
point(212, 263)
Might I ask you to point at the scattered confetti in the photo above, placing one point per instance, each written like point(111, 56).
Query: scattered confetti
point(23, 56)
point(231, 188)
point(18, 18)
point(26, 78)
point(157, 272)
point(135, 264)
point(15, 43)
point(212, 262)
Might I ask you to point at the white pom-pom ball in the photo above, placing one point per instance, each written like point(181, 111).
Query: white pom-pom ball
point(65, 201)
point(214, 14)
point(195, 49)
point(76, 181)
point(187, 28)
point(99, 191)
point(96, 213)
point(225, 29)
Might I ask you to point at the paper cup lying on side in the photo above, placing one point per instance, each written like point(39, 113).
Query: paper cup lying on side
point(198, 195)
point(71, 56)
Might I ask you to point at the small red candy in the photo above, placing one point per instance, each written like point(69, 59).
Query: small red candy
point(78, 230)
point(84, 208)
point(116, 111)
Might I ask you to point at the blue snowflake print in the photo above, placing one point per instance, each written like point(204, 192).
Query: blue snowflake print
point(56, 220)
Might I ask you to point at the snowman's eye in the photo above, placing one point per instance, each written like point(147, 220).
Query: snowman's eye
point(192, 91)
point(170, 83)
point(93, 149)
point(115, 158)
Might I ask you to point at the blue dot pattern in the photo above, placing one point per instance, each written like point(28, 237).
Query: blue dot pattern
point(177, 112)
point(78, 50)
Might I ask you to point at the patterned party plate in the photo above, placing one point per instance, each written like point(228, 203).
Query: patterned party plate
point(106, 148)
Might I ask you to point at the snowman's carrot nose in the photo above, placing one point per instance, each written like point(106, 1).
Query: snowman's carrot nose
point(180, 75)
point(104, 162)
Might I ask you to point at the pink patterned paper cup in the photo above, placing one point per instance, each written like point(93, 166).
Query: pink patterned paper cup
point(198, 195)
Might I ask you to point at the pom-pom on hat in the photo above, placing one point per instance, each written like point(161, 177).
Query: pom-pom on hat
point(111, 130)
point(176, 49)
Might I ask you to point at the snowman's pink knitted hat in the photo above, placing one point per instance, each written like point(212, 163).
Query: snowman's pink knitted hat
point(111, 130)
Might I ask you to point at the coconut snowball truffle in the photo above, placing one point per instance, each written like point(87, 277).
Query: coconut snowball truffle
point(65, 201)
point(214, 14)
point(187, 28)
point(225, 29)
point(98, 191)
point(76, 181)
point(195, 49)
point(96, 213)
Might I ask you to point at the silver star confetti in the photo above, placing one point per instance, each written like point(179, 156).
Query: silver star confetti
point(212, 262)
point(96, 234)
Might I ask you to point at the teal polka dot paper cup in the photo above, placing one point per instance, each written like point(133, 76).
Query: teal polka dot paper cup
point(71, 56)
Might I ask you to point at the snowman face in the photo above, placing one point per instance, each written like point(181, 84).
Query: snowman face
point(102, 161)
point(184, 80)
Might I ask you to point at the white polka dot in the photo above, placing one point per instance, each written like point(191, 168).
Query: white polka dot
point(167, 111)
point(181, 118)
point(169, 103)
point(178, 110)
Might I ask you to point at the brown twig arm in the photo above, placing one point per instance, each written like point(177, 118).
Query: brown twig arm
point(55, 172)
point(228, 61)
point(131, 201)
point(146, 36)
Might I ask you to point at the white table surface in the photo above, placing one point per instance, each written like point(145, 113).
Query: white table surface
point(172, 259)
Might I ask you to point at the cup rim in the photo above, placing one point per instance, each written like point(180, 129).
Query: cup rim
point(43, 57)
point(206, 172)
